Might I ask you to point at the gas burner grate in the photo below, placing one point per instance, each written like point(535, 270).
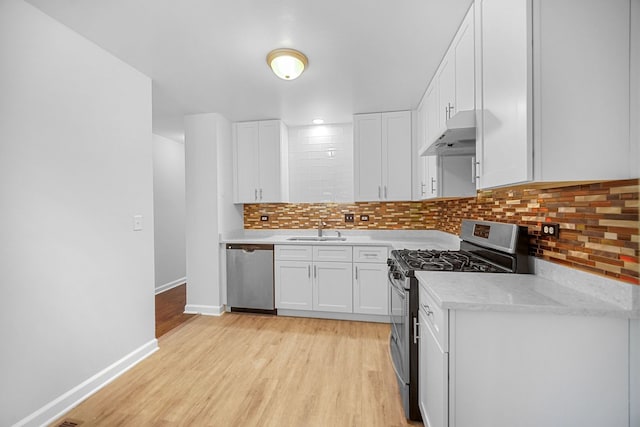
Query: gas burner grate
point(432, 260)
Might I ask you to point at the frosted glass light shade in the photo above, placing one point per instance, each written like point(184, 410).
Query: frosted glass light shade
point(287, 64)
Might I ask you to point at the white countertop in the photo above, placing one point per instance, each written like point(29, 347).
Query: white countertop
point(516, 293)
point(396, 239)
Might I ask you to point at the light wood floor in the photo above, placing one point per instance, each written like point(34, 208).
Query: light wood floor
point(250, 370)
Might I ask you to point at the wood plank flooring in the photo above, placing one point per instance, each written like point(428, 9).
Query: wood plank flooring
point(252, 370)
point(170, 309)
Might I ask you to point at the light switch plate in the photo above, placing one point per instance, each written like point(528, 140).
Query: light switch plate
point(137, 222)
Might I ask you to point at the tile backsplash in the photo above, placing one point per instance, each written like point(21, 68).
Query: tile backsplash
point(599, 222)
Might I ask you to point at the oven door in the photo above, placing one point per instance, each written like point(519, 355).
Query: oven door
point(399, 342)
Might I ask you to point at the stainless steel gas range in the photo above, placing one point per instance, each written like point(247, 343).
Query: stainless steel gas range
point(489, 247)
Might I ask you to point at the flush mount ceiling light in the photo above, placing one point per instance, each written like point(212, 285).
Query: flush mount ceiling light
point(318, 121)
point(287, 64)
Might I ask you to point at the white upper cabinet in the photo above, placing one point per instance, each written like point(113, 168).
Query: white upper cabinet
point(260, 162)
point(382, 156)
point(553, 91)
point(451, 90)
point(446, 87)
point(453, 87)
point(463, 51)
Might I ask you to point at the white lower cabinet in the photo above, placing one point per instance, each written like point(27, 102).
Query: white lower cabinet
point(503, 369)
point(433, 371)
point(332, 279)
point(293, 285)
point(332, 287)
point(370, 288)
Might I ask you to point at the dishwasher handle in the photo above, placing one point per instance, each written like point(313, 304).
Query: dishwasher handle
point(249, 247)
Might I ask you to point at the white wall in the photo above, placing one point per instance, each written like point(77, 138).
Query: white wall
point(169, 212)
point(75, 167)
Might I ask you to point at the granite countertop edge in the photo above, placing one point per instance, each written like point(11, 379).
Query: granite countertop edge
point(518, 293)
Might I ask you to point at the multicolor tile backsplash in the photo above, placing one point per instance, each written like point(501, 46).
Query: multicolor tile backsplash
point(599, 222)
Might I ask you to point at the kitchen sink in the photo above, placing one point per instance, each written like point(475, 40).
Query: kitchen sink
point(317, 238)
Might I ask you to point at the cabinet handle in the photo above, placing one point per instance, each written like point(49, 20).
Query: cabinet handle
point(356, 272)
point(309, 270)
point(415, 330)
point(422, 187)
point(379, 193)
point(261, 194)
point(255, 194)
point(433, 181)
point(315, 271)
point(450, 110)
point(385, 191)
point(473, 169)
point(427, 309)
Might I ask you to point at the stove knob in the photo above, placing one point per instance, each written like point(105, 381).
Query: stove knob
point(396, 275)
point(389, 261)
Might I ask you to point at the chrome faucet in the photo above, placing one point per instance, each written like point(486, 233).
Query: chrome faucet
point(321, 224)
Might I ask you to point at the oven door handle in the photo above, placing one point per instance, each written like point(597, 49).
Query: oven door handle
point(399, 290)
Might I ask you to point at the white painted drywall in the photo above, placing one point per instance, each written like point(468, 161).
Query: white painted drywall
point(169, 212)
point(75, 167)
point(202, 228)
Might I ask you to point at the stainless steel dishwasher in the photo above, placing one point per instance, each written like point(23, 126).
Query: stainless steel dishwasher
point(250, 278)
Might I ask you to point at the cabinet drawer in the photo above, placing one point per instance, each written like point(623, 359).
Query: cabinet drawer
point(333, 253)
point(377, 254)
point(437, 318)
point(293, 252)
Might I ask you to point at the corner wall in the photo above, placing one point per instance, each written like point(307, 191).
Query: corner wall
point(210, 210)
point(77, 304)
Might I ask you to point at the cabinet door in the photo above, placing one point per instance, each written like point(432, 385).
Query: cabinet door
point(465, 70)
point(370, 289)
point(269, 162)
point(432, 123)
point(293, 284)
point(396, 156)
point(429, 177)
point(332, 287)
point(446, 91)
point(505, 149)
point(246, 164)
point(367, 157)
point(433, 372)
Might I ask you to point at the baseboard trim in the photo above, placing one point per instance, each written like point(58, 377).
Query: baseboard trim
point(205, 310)
point(61, 405)
point(162, 288)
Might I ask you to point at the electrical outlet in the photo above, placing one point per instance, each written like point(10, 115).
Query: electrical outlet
point(364, 217)
point(348, 218)
point(264, 217)
point(550, 229)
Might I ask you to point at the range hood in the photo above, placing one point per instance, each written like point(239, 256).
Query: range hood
point(458, 138)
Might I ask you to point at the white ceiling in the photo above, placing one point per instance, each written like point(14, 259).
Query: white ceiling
point(209, 55)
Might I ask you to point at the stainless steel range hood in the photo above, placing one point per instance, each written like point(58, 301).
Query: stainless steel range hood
point(458, 138)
